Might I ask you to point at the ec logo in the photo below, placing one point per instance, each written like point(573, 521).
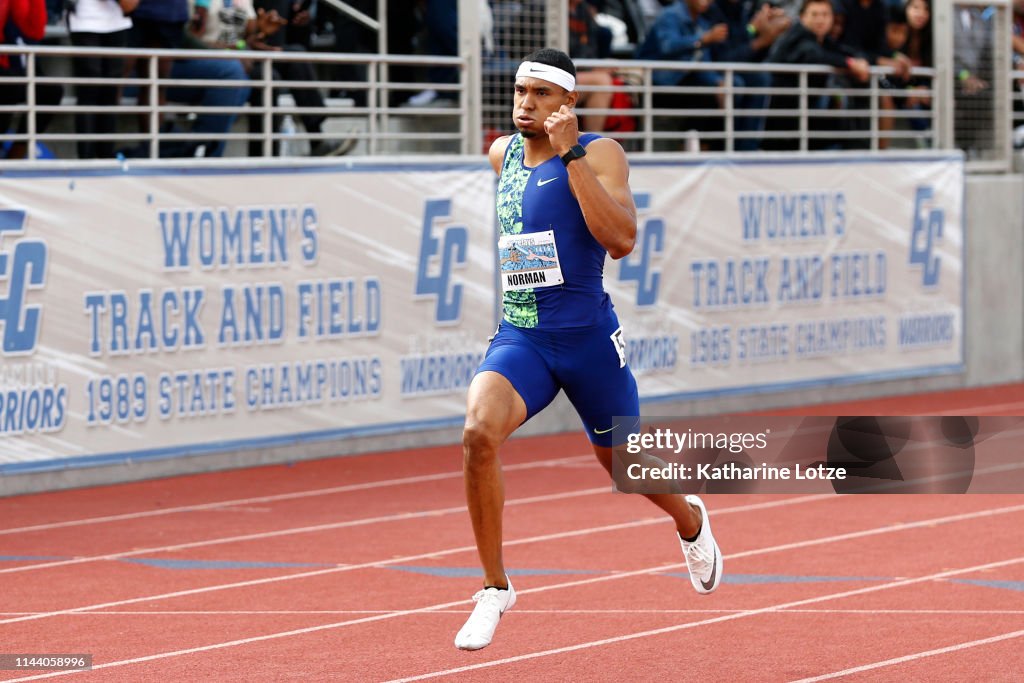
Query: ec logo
point(651, 239)
point(451, 250)
point(23, 269)
point(923, 234)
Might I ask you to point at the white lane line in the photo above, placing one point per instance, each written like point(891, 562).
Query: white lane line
point(910, 658)
point(315, 612)
point(397, 517)
point(714, 620)
point(650, 570)
point(422, 556)
point(901, 526)
point(891, 528)
point(289, 496)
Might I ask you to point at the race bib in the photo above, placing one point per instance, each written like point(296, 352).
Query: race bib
point(529, 261)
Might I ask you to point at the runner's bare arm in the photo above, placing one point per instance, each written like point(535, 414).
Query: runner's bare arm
point(600, 182)
point(601, 186)
point(496, 153)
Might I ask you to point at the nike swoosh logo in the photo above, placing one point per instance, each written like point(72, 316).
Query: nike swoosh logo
point(542, 183)
point(604, 431)
point(714, 569)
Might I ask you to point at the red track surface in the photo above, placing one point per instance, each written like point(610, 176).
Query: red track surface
point(859, 587)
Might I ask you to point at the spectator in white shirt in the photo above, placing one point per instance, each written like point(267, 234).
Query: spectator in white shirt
point(98, 23)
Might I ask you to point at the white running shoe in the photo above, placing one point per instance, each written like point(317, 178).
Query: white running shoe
point(703, 558)
point(478, 630)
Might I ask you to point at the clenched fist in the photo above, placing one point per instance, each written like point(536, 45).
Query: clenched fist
point(562, 129)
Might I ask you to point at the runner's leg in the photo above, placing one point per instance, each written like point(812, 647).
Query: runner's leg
point(686, 516)
point(494, 410)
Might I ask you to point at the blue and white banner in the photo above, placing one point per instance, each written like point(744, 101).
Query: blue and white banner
point(772, 275)
point(159, 312)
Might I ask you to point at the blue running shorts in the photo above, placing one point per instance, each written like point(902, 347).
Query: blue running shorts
point(588, 363)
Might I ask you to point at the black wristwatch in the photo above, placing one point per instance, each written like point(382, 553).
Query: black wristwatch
point(575, 152)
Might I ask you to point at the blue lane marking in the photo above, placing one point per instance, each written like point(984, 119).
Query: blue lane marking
point(165, 563)
point(465, 572)
point(217, 564)
point(1008, 585)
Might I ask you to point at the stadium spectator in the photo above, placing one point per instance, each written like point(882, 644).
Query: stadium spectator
point(918, 44)
point(439, 37)
point(752, 30)
point(861, 26)
point(299, 14)
point(158, 24)
point(164, 29)
point(340, 32)
point(973, 70)
point(216, 24)
point(910, 33)
point(155, 24)
point(23, 21)
point(161, 24)
point(587, 40)
point(296, 17)
point(442, 40)
point(651, 10)
point(1018, 65)
point(630, 13)
point(791, 8)
point(1018, 34)
point(683, 32)
point(98, 23)
point(896, 29)
point(751, 35)
point(808, 42)
point(863, 30)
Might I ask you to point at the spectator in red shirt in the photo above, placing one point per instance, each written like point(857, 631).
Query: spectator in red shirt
point(23, 21)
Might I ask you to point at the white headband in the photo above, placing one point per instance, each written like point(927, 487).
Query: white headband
point(546, 72)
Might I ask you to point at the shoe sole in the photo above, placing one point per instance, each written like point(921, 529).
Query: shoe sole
point(716, 574)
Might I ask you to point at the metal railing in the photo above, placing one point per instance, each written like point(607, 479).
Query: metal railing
point(375, 114)
point(1017, 90)
point(381, 127)
point(717, 121)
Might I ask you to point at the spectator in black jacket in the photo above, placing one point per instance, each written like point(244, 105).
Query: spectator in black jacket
point(751, 34)
point(863, 29)
point(294, 36)
point(808, 42)
point(98, 23)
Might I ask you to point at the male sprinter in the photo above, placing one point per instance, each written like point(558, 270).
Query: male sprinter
point(563, 203)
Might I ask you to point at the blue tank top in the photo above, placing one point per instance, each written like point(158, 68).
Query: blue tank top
point(537, 200)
